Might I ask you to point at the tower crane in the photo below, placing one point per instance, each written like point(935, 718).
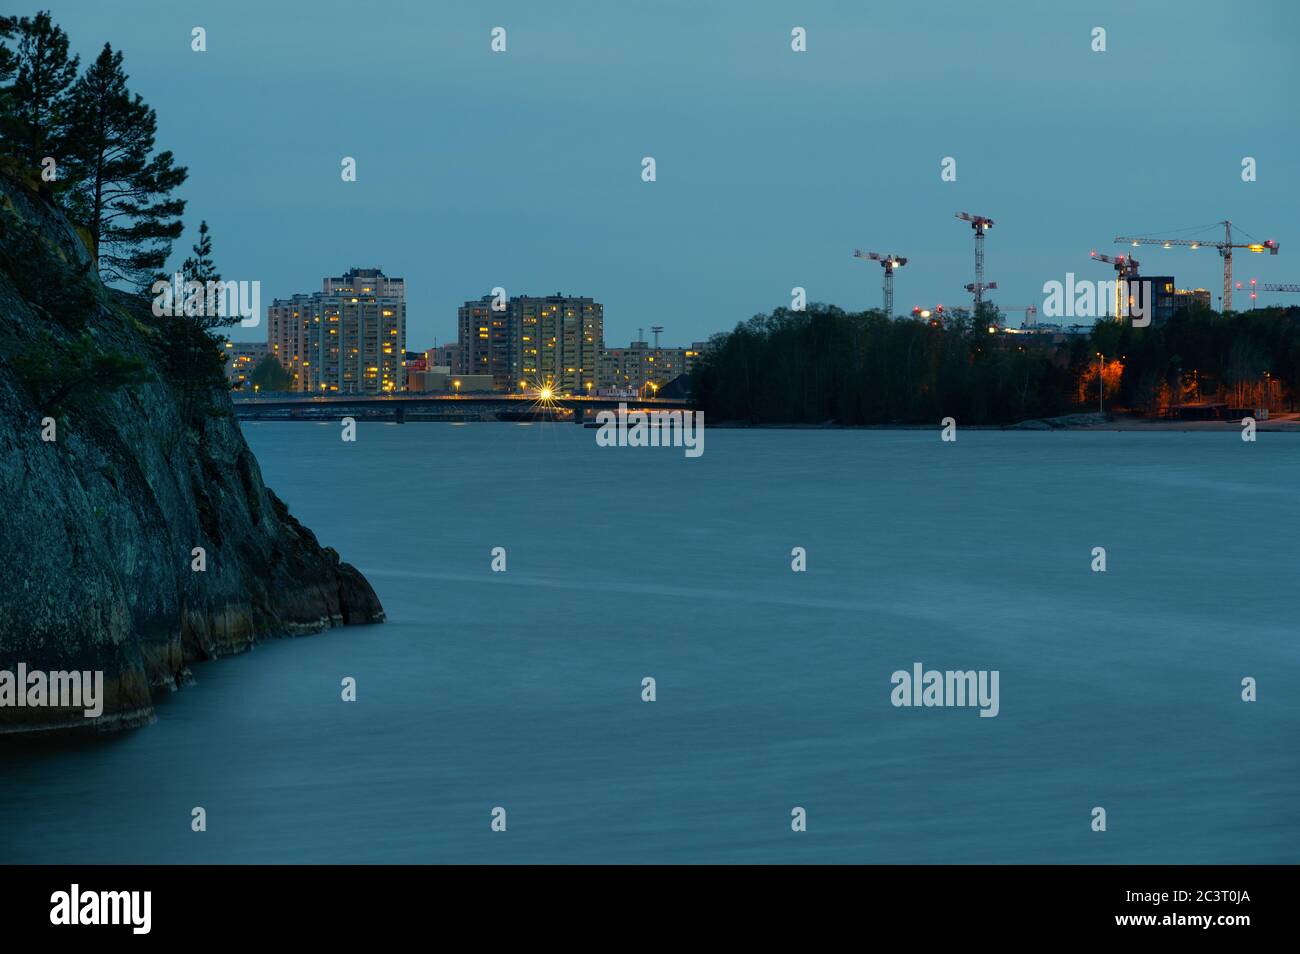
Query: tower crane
point(889, 263)
point(981, 224)
point(1225, 249)
point(1126, 269)
point(1271, 287)
point(979, 288)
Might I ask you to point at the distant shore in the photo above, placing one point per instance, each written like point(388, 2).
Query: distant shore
point(1286, 421)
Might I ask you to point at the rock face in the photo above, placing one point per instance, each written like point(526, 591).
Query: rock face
point(100, 524)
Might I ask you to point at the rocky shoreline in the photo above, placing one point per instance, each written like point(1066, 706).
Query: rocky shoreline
point(97, 548)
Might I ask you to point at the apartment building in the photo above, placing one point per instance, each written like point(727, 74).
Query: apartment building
point(348, 338)
point(532, 341)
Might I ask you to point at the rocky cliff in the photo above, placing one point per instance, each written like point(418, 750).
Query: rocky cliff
point(100, 524)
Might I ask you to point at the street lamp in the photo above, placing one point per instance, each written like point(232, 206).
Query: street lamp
point(456, 385)
point(1101, 383)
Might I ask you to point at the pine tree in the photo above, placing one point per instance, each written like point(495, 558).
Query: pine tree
point(121, 186)
point(33, 117)
point(200, 268)
point(8, 61)
point(194, 353)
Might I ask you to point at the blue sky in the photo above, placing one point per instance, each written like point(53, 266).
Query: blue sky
point(522, 169)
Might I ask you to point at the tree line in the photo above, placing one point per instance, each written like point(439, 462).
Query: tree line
point(826, 365)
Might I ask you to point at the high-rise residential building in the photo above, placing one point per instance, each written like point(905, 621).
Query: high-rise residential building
point(554, 340)
point(484, 338)
point(286, 334)
point(349, 338)
point(557, 341)
point(366, 281)
point(639, 364)
point(242, 359)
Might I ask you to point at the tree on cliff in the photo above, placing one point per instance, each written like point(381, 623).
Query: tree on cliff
point(199, 267)
point(33, 114)
point(121, 187)
point(194, 355)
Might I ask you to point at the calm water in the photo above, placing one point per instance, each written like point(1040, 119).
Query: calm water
point(522, 689)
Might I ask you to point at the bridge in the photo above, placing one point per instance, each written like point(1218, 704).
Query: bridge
point(311, 406)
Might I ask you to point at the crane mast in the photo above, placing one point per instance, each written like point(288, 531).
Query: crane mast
point(888, 263)
point(1126, 269)
point(980, 224)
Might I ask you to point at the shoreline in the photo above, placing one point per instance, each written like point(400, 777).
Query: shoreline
point(1287, 423)
point(1033, 426)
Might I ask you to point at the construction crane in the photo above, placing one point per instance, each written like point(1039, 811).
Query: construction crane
point(978, 289)
point(1225, 249)
point(1271, 287)
point(980, 224)
point(1125, 265)
point(1126, 269)
point(889, 263)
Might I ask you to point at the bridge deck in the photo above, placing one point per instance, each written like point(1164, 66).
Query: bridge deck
point(452, 400)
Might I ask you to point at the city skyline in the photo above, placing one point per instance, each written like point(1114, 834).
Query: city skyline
point(772, 165)
point(350, 337)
